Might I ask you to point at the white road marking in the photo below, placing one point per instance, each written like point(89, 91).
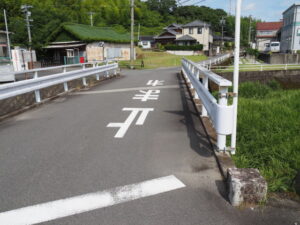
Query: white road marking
point(147, 95)
point(155, 83)
point(123, 90)
point(88, 202)
point(125, 126)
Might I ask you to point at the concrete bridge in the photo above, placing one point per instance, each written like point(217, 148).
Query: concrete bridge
point(131, 150)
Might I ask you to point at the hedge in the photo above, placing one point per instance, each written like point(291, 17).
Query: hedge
point(184, 47)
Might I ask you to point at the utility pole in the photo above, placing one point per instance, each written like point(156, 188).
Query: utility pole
point(139, 32)
point(222, 21)
point(236, 72)
point(91, 18)
point(132, 35)
point(25, 9)
point(249, 41)
point(7, 34)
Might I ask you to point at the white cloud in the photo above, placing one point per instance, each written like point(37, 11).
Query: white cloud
point(249, 6)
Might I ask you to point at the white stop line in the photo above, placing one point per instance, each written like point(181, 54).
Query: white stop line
point(84, 203)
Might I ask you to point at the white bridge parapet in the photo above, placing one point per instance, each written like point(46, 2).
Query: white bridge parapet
point(218, 110)
point(37, 83)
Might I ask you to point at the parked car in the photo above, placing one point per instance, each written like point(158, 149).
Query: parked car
point(275, 46)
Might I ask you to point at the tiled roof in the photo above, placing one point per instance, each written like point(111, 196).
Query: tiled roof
point(269, 25)
point(196, 23)
point(175, 25)
point(186, 38)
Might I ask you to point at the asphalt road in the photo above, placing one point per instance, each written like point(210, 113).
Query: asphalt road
point(64, 149)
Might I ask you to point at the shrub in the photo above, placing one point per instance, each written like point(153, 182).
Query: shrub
point(253, 52)
point(269, 135)
point(184, 47)
point(253, 90)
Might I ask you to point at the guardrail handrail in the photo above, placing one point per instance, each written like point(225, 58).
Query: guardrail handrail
point(220, 113)
point(37, 83)
point(58, 67)
point(215, 60)
point(260, 67)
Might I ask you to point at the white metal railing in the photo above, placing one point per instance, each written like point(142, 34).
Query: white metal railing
point(36, 71)
point(37, 83)
point(220, 113)
point(215, 60)
point(258, 67)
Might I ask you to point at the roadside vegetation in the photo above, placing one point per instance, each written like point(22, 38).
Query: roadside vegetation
point(152, 15)
point(157, 59)
point(255, 67)
point(269, 133)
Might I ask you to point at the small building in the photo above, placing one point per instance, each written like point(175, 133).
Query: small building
point(290, 32)
point(74, 43)
point(196, 32)
point(146, 42)
point(266, 32)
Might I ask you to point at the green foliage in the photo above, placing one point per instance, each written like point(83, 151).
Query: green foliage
point(253, 52)
point(152, 15)
point(269, 133)
point(253, 90)
point(184, 47)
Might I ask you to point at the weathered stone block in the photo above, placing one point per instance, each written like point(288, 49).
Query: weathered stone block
point(246, 187)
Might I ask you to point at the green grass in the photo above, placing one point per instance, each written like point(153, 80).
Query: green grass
point(256, 67)
point(154, 60)
point(269, 133)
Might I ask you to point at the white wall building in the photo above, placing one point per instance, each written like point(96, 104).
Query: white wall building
point(290, 34)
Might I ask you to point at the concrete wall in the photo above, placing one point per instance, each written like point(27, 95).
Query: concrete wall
point(280, 58)
point(287, 78)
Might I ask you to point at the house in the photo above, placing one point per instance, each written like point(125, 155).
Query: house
point(169, 34)
point(290, 32)
point(3, 45)
point(146, 42)
point(266, 32)
point(196, 32)
point(74, 43)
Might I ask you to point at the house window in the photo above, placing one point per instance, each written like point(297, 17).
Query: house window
point(199, 30)
point(190, 30)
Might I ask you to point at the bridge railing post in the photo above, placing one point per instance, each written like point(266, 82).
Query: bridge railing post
point(205, 84)
point(221, 139)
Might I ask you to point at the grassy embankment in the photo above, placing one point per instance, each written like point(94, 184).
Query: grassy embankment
point(256, 67)
point(154, 60)
point(269, 133)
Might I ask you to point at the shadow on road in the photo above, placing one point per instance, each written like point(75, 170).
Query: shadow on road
point(199, 140)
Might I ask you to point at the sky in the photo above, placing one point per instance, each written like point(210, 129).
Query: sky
point(266, 10)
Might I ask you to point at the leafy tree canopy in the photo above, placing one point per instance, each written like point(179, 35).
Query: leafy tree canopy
point(152, 15)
